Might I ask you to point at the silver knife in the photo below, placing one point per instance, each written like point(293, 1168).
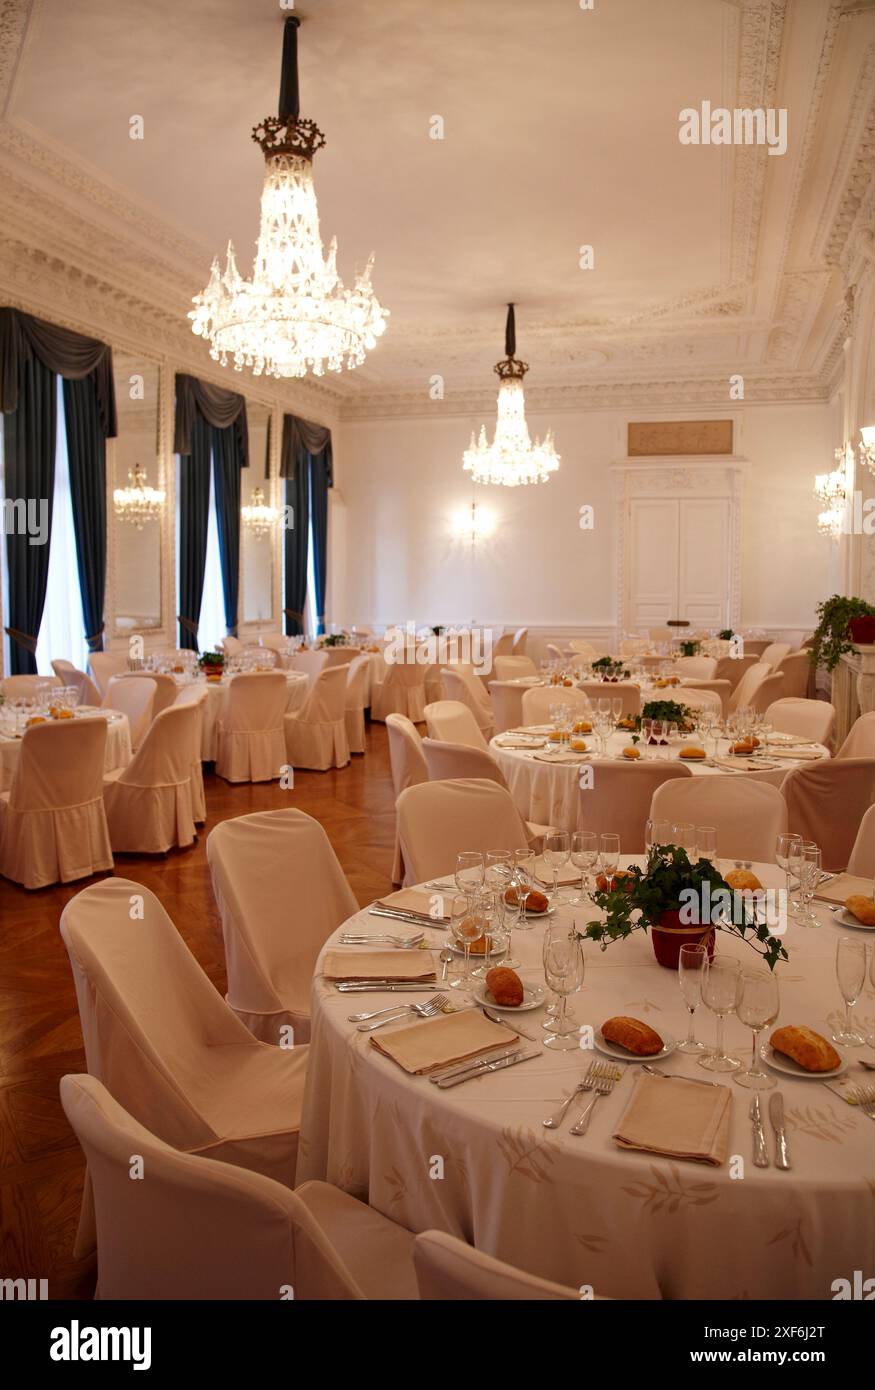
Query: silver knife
point(381, 987)
point(776, 1115)
point(490, 1066)
point(495, 1055)
point(760, 1153)
point(413, 919)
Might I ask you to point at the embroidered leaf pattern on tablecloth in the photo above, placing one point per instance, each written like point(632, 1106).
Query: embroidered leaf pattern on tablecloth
point(670, 1191)
point(595, 1244)
point(822, 1124)
point(526, 1153)
point(795, 1235)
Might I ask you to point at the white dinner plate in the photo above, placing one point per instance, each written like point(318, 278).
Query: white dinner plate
point(476, 956)
point(533, 998)
point(779, 1062)
point(847, 919)
point(611, 1049)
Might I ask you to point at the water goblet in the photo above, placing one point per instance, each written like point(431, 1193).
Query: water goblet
point(720, 988)
point(851, 976)
point(557, 848)
point(609, 857)
point(706, 842)
point(692, 963)
point(809, 871)
point(563, 972)
point(523, 881)
point(785, 849)
point(469, 872)
point(757, 1008)
point(584, 853)
point(465, 928)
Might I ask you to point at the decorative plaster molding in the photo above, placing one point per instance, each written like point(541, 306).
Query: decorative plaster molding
point(853, 171)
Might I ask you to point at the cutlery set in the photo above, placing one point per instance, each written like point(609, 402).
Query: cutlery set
point(413, 919)
point(776, 1119)
point(361, 939)
point(428, 1009)
point(480, 1067)
point(601, 1078)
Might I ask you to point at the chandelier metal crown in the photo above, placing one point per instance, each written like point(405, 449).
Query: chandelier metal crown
point(511, 460)
point(294, 315)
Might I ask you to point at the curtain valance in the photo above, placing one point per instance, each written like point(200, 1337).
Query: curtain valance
point(302, 437)
point(219, 407)
point(62, 351)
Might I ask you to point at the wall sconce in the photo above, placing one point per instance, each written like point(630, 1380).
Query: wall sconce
point(474, 523)
point(866, 447)
point(832, 490)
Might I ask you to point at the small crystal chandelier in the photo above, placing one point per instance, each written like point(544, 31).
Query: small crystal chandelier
point(511, 459)
point(866, 447)
point(831, 489)
point(294, 315)
point(138, 503)
point(258, 516)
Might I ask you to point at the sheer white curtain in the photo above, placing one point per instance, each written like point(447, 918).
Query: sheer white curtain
point(211, 629)
point(62, 630)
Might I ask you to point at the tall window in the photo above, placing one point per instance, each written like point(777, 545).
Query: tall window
point(211, 629)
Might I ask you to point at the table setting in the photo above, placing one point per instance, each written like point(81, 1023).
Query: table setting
point(57, 704)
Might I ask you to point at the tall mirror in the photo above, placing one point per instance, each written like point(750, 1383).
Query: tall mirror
point(136, 516)
point(257, 546)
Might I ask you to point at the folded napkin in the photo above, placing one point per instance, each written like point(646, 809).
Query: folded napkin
point(742, 764)
point(569, 877)
point(681, 1120)
point(841, 887)
point(562, 757)
point(519, 741)
point(531, 729)
point(803, 754)
point(419, 901)
point(378, 965)
point(438, 1042)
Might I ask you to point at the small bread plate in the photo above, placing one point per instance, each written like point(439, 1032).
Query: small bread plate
point(778, 1061)
point(533, 997)
point(495, 954)
point(847, 919)
point(531, 915)
point(612, 1049)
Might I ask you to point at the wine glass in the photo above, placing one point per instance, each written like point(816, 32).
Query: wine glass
point(784, 849)
point(609, 857)
point(617, 708)
point(809, 871)
point(757, 1008)
point(498, 876)
point(557, 847)
point(720, 992)
point(684, 836)
point(563, 972)
point(488, 914)
point(469, 872)
point(851, 975)
point(692, 963)
point(523, 882)
point(584, 853)
point(465, 928)
point(656, 832)
point(706, 842)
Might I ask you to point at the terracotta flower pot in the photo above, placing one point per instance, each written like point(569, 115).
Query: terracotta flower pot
point(672, 934)
point(862, 631)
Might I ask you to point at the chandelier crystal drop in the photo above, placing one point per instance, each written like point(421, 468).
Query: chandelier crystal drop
point(258, 516)
point(294, 315)
point(511, 460)
point(138, 504)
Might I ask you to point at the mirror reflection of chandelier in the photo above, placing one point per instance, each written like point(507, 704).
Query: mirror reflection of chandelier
point(258, 516)
point(511, 459)
point(294, 315)
point(138, 503)
point(831, 489)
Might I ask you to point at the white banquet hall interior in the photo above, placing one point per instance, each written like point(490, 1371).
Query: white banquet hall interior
point(437, 678)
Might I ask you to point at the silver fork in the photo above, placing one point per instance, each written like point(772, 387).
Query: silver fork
point(554, 1121)
point(426, 1010)
point(865, 1098)
point(604, 1081)
point(350, 939)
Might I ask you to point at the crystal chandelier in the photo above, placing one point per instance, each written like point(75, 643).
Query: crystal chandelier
point(866, 447)
point(138, 503)
point(511, 458)
point(831, 490)
point(294, 315)
point(258, 516)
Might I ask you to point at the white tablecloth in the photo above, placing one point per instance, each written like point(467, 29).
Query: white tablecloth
point(297, 686)
point(118, 745)
point(581, 1210)
point(547, 792)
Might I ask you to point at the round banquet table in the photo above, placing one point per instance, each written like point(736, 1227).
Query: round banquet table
point(297, 685)
point(118, 744)
point(583, 1211)
point(547, 793)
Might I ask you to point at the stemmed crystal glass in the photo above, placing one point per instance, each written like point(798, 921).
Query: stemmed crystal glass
point(522, 881)
point(720, 993)
point(563, 972)
point(757, 1008)
point(809, 871)
point(584, 853)
point(692, 964)
point(469, 872)
point(498, 876)
point(489, 916)
point(684, 836)
point(609, 857)
point(466, 928)
point(706, 842)
point(617, 707)
point(557, 848)
point(851, 975)
point(785, 850)
point(656, 832)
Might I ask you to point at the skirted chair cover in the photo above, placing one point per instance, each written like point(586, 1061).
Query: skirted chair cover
point(133, 697)
point(438, 820)
point(103, 665)
point(508, 668)
point(357, 677)
point(748, 815)
point(311, 663)
point(451, 721)
point(339, 656)
point(281, 893)
point(166, 689)
point(315, 735)
point(507, 704)
point(28, 687)
point(796, 670)
point(276, 641)
point(251, 744)
point(460, 683)
point(503, 646)
point(620, 797)
point(231, 646)
point(826, 801)
point(449, 1270)
point(773, 654)
point(860, 739)
point(520, 638)
point(732, 668)
point(767, 692)
point(167, 1047)
point(434, 686)
point(52, 822)
point(195, 695)
point(627, 691)
point(68, 674)
point(748, 685)
point(195, 1228)
point(408, 770)
point(811, 719)
point(538, 701)
point(148, 804)
point(401, 691)
point(451, 760)
point(721, 689)
point(862, 860)
point(700, 668)
point(701, 700)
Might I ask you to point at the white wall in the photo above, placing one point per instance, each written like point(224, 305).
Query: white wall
point(402, 481)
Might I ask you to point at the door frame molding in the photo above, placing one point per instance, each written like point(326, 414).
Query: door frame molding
point(681, 476)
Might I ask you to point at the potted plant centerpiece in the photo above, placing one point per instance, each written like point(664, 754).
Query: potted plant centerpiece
point(212, 664)
point(333, 639)
point(690, 646)
point(667, 712)
point(841, 621)
point(609, 670)
point(681, 903)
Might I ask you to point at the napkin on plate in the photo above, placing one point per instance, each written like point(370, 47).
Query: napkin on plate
point(803, 754)
point(742, 764)
point(843, 886)
point(419, 901)
point(562, 757)
point(568, 878)
point(519, 741)
point(683, 1119)
point(438, 1042)
point(378, 965)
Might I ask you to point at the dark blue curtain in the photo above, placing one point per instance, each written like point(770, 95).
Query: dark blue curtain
point(226, 474)
point(29, 442)
point(319, 513)
point(86, 451)
point(297, 546)
point(194, 515)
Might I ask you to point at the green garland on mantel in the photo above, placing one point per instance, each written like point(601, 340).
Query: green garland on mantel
point(831, 637)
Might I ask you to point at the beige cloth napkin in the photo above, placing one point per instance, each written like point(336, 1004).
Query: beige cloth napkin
point(560, 758)
point(568, 877)
point(423, 1047)
point(418, 900)
point(519, 742)
point(378, 965)
point(681, 1120)
point(803, 754)
point(741, 764)
point(843, 886)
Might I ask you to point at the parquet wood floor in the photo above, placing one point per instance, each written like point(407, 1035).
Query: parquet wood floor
point(41, 1164)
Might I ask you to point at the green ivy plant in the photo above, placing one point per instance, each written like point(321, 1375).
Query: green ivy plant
point(726, 634)
point(669, 711)
point(608, 667)
point(831, 638)
point(691, 647)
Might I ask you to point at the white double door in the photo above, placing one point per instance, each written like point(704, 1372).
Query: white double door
point(679, 561)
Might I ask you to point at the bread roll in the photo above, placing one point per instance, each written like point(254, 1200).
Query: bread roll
point(632, 1034)
point(535, 902)
point(505, 986)
point(743, 879)
point(805, 1047)
point(622, 879)
point(862, 908)
point(693, 754)
point(632, 752)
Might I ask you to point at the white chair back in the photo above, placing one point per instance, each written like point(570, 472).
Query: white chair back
point(68, 674)
point(250, 737)
point(447, 1269)
point(540, 699)
point(504, 645)
point(28, 687)
point(796, 670)
point(277, 642)
point(149, 806)
point(747, 687)
point(700, 699)
point(721, 689)
point(447, 760)
point(860, 739)
point(460, 683)
point(406, 758)
point(438, 820)
point(862, 860)
point(312, 663)
point(316, 735)
point(810, 719)
point(520, 638)
point(628, 692)
point(507, 704)
point(826, 802)
point(401, 691)
point(451, 721)
point(772, 655)
point(358, 674)
point(767, 692)
point(700, 668)
point(732, 668)
point(133, 696)
point(103, 665)
point(748, 815)
point(508, 668)
point(620, 796)
point(196, 695)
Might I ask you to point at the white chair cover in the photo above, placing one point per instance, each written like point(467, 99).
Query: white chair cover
point(68, 674)
point(197, 696)
point(52, 823)
point(628, 691)
point(133, 696)
point(102, 665)
point(451, 721)
point(538, 700)
point(316, 734)
point(507, 704)
point(812, 719)
point(461, 684)
point(796, 670)
point(503, 646)
point(520, 638)
point(747, 687)
point(447, 1269)
point(166, 689)
point(748, 815)
point(700, 668)
point(231, 646)
point(557, 654)
point(860, 739)
point(699, 699)
point(312, 663)
point(149, 803)
point(281, 893)
point(167, 1047)
point(862, 860)
point(453, 760)
point(772, 655)
point(357, 679)
point(721, 689)
point(276, 641)
point(434, 686)
point(438, 820)
point(198, 1229)
point(732, 668)
point(339, 656)
point(401, 691)
point(509, 668)
point(620, 797)
point(826, 802)
point(251, 745)
point(408, 770)
point(28, 687)
point(768, 690)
